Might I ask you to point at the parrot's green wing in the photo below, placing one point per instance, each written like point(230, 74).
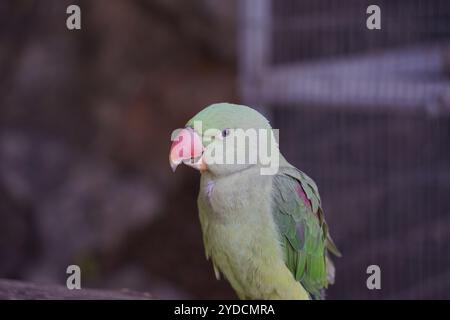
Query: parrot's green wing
point(303, 231)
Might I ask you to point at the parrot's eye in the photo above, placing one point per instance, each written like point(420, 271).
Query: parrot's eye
point(225, 132)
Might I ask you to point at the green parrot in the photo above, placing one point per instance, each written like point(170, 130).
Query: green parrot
point(264, 231)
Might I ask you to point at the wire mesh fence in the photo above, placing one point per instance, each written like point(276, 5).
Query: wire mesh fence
point(365, 113)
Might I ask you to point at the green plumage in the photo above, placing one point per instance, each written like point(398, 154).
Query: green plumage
point(303, 229)
point(266, 233)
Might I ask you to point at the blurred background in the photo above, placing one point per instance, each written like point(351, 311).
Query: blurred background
point(86, 117)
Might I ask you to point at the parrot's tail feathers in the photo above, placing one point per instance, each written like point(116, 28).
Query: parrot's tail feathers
point(331, 246)
point(330, 270)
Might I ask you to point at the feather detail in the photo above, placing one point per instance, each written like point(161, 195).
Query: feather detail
point(209, 189)
point(298, 214)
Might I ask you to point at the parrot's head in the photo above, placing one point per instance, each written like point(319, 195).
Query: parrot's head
point(223, 139)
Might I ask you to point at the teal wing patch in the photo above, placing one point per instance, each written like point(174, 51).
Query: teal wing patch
point(303, 231)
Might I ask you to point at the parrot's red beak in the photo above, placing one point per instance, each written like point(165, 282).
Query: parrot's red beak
point(187, 147)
